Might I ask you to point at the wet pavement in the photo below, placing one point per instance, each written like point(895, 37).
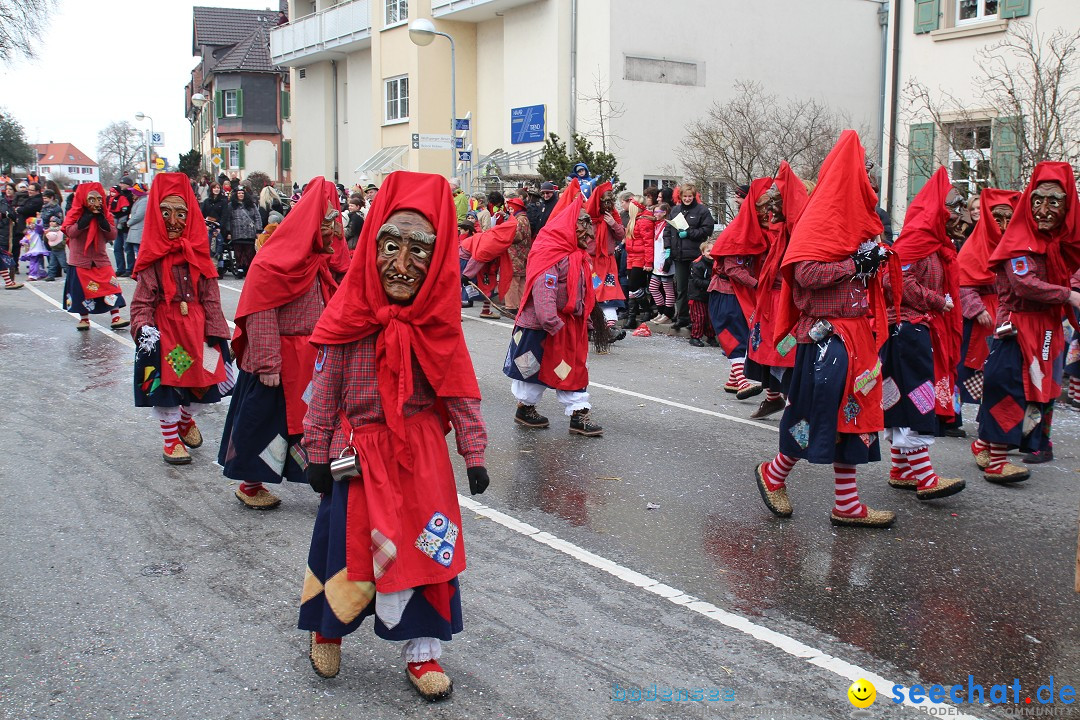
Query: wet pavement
point(194, 598)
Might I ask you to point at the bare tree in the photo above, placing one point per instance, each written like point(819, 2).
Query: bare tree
point(21, 25)
point(1026, 109)
point(120, 147)
point(747, 136)
point(606, 112)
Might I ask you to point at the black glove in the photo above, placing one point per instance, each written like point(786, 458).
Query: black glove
point(103, 222)
point(84, 219)
point(867, 261)
point(465, 281)
point(478, 480)
point(319, 478)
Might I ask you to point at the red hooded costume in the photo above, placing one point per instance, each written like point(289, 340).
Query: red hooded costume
point(186, 358)
point(570, 345)
point(974, 263)
point(87, 253)
point(284, 269)
point(744, 238)
point(605, 279)
point(491, 248)
point(838, 218)
point(794, 196)
point(1039, 331)
point(924, 235)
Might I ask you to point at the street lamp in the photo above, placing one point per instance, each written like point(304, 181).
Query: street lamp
point(199, 100)
point(422, 32)
point(149, 139)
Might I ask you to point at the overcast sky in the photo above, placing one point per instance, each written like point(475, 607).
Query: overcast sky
point(104, 61)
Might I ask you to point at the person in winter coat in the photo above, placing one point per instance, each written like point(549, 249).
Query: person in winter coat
point(269, 201)
point(586, 181)
point(700, 324)
point(685, 246)
point(136, 218)
point(641, 231)
point(216, 206)
point(245, 223)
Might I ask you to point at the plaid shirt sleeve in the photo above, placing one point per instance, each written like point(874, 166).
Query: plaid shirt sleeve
point(923, 281)
point(469, 429)
point(263, 353)
point(971, 304)
point(739, 272)
point(827, 290)
point(322, 415)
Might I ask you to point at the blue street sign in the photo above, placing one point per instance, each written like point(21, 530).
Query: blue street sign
point(459, 143)
point(462, 124)
point(527, 124)
point(464, 155)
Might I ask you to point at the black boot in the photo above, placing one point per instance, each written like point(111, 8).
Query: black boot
point(632, 315)
point(526, 415)
point(582, 424)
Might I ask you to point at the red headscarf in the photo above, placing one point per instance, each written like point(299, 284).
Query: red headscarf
point(597, 215)
point(838, 218)
point(78, 205)
point(744, 235)
point(794, 196)
point(290, 261)
point(555, 241)
point(430, 327)
point(191, 247)
point(1062, 249)
point(573, 189)
point(974, 257)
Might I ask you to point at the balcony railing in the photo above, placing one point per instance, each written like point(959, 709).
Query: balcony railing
point(342, 28)
point(473, 10)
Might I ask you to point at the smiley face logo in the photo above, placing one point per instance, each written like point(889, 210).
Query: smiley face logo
point(862, 693)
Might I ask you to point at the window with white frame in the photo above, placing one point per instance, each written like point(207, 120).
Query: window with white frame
point(73, 170)
point(234, 154)
point(397, 11)
point(970, 11)
point(970, 152)
point(231, 101)
point(659, 182)
point(44, 170)
point(397, 99)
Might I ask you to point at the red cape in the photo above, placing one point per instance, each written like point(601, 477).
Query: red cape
point(76, 211)
point(1062, 250)
point(430, 327)
point(567, 196)
point(191, 247)
point(923, 235)
point(974, 257)
point(492, 246)
point(287, 265)
point(744, 235)
point(838, 217)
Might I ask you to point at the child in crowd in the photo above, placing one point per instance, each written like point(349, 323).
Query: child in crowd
point(54, 238)
point(662, 283)
point(697, 294)
point(34, 250)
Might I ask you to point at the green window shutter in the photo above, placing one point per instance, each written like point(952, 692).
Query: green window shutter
point(286, 104)
point(240, 152)
point(1014, 8)
point(920, 156)
point(286, 155)
point(219, 111)
point(239, 103)
point(926, 15)
point(1005, 152)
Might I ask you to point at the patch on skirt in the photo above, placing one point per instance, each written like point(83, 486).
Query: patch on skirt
point(383, 552)
point(851, 408)
point(943, 393)
point(437, 539)
point(923, 397)
point(890, 393)
point(1032, 418)
point(527, 364)
point(868, 438)
point(1008, 413)
point(180, 360)
point(801, 432)
point(974, 385)
point(1035, 373)
point(755, 336)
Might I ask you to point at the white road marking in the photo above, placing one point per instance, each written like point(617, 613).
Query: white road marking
point(640, 396)
point(230, 287)
point(782, 642)
point(103, 329)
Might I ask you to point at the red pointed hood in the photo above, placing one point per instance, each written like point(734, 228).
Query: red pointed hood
point(924, 232)
point(974, 257)
point(79, 204)
point(744, 235)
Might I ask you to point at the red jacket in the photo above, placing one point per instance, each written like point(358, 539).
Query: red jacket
point(639, 241)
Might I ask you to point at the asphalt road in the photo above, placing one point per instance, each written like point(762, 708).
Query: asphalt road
point(129, 589)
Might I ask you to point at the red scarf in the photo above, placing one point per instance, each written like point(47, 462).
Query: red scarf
point(555, 241)
point(597, 215)
point(567, 196)
point(288, 264)
point(1062, 249)
point(744, 235)
point(838, 217)
point(923, 235)
point(974, 257)
point(430, 327)
point(78, 205)
point(191, 247)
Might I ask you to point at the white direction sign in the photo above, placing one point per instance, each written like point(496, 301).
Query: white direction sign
point(434, 142)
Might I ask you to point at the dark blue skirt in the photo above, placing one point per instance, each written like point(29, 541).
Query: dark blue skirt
point(729, 323)
point(970, 381)
point(149, 390)
point(335, 606)
point(907, 371)
point(808, 428)
point(764, 375)
point(1005, 415)
point(75, 299)
point(256, 445)
point(524, 354)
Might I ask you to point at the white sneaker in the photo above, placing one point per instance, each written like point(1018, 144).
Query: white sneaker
point(664, 320)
